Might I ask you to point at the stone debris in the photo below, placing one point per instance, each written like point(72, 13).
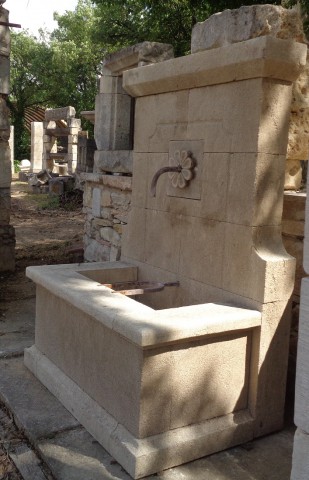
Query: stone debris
point(46, 181)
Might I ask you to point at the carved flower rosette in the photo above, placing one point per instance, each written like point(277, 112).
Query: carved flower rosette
point(182, 159)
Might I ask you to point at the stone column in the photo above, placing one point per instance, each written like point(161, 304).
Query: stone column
point(36, 146)
point(74, 125)
point(11, 143)
point(7, 233)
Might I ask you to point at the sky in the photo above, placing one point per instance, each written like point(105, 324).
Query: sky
point(35, 14)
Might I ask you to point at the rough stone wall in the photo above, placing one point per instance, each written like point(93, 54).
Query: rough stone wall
point(7, 233)
point(107, 201)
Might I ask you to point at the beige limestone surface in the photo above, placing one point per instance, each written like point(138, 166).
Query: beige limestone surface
point(207, 360)
point(232, 26)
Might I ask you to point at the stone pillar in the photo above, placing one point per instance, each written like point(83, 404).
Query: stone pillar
point(51, 132)
point(300, 468)
point(113, 132)
point(36, 146)
point(298, 144)
point(11, 143)
point(7, 233)
point(74, 125)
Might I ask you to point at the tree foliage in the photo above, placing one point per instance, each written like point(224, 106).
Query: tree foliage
point(30, 60)
point(61, 68)
point(55, 70)
point(125, 23)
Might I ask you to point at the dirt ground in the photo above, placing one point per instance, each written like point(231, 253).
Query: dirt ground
point(45, 234)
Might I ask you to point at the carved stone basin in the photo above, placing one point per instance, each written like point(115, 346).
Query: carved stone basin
point(125, 370)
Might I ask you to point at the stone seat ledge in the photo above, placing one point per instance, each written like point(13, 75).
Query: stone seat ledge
point(136, 322)
point(262, 57)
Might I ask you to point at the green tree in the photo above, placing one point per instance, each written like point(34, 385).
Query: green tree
point(30, 60)
point(55, 70)
point(76, 57)
point(125, 23)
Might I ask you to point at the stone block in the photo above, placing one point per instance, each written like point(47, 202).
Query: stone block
point(140, 179)
point(96, 252)
point(232, 26)
point(115, 253)
point(300, 463)
point(298, 144)
point(110, 235)
point(168, 408)
point(140, 54)
point(73, 139)
point(202, 113)
point(295, 247)
point(96, 202)
point(121, 199)
point(5, 205)
point(251, 184)
point(306, 239)
point(4, 119)
point(5, 41)
point(133, 239)
point(264, 57)
point(7, 248)
point(30, 400)
point(258, 250)
point(301, 416)
point(293, 175)
point(37, 146)
point(74, 123)
point(167, 256)
point(118, 161)
point(72, 149)
point(112, 130)
point(201, 237)
point(168, 121)
point(111, 84)
point(5, 165)
point(4, 75)
point(55, 186)
point(270, 351)
point(63, 113)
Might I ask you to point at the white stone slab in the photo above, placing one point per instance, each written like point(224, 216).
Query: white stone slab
point(96, 202)
point(260, 57)
point(302, 371)
point(306, 239)
point(300, 466)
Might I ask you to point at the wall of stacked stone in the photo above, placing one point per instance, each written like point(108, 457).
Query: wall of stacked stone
point(107, 191)
point(107, 200)
point(7, 233)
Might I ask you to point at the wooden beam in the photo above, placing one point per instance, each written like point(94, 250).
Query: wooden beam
point(6, 24)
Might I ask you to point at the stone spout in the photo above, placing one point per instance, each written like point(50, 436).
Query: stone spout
point(160, 172)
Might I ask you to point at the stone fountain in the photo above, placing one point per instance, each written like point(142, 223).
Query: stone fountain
point(198, 366)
